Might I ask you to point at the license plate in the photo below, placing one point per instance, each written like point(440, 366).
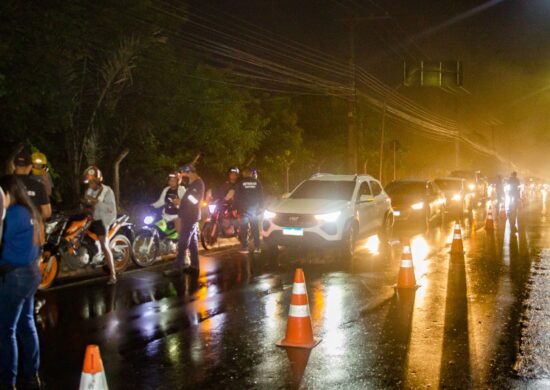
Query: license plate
point(396, 213)
point(293, 231)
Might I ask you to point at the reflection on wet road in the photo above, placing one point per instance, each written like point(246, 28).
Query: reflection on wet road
point(459, 329)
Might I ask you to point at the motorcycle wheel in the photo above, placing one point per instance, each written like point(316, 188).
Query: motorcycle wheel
point(145, 239)
point(207, 240)
point(122, 252)
point(49, 268)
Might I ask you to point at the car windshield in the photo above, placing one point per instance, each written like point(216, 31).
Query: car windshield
point(319, 189)
point(449, 185)
point(406, 188)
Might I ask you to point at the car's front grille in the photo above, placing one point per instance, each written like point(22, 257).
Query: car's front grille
point(295, 220)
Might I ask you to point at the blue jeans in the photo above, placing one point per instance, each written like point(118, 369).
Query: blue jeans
point(250, 217)
point(17, 289)
point(188, 239)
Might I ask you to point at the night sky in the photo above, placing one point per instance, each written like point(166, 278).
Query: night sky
point(504, 46)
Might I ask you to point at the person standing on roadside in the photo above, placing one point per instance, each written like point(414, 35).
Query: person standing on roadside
point(35, 189)
point(19, 280)
point(189, 212)
point(249, 202)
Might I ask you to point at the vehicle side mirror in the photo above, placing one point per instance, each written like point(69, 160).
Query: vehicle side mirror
point(366, 199)
point(285, 195)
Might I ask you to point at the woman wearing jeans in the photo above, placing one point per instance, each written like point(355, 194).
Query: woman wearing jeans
point(19, 279)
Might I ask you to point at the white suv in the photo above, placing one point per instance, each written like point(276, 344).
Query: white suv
point(329, 209)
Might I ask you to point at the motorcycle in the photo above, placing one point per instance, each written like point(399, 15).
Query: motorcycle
point(157, 237)
point(222, 222)
point(69, 242)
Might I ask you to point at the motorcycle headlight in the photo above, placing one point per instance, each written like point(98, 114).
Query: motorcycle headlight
point(330, 217)
point(471, 186)
point(269, 214)
point(211, 208)
point(50, 227)
point(418, 206)
point(148, 220)
point(457, 197)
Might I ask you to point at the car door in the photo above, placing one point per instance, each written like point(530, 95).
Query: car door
point(379, 203)
point(366, 208)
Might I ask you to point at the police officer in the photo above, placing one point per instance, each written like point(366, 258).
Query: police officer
point(249, 202)
point(189, 213)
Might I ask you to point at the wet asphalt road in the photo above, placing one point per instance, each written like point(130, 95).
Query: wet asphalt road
point(459, 329)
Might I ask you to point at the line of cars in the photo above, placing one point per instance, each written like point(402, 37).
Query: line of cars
point(335, 211)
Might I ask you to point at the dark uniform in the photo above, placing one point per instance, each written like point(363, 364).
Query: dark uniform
point(189, 213)
point(35, 190)
point(249, 201)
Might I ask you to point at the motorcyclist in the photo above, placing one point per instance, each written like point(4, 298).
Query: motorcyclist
point(226, 192)
point(514, 187)
point(40, 171)
point(35, 189)
point(514, 192)
point(249, 202)
point(100, 198)
point(169, 198)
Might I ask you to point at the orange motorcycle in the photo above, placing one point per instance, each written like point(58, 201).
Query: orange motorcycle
point(70, 245)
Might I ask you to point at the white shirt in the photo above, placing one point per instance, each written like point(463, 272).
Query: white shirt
point(105, 209)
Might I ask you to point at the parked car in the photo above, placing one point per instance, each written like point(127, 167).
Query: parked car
point(459, 199)
point(328, 209)
point(417, 202)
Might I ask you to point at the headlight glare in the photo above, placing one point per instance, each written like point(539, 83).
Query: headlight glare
point(329, 217)
point(269, 214)
point(148, 220)
point(418, 206)
point(457, 197)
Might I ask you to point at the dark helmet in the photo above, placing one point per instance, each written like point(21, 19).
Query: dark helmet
point(235, 170)
point(92, 172)
point(187, 168)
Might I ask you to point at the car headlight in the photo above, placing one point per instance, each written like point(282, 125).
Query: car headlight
point(418, 206)
point(269, 214)
point(457, 197)
point(211, 208)
point(330, 217)
point(471, 186)
point(148, 220)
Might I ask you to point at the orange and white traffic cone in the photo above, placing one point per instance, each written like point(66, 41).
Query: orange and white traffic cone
point(489, 223)
point(299, 332)
point(93, 374)
point(457, 247)
point(406, 278)
point(502, 213)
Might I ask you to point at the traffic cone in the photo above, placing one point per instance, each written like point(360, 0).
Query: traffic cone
point(489, 223)
point(406, 278)
point(502, 213)
point(457, 248)
point(299, 332)
point(93, 375)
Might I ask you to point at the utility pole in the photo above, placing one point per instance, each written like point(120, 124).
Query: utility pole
point(352, 103)
point(353, 137)
point(382, 131)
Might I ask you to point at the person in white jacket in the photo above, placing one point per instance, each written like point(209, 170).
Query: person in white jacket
point(169, 198)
